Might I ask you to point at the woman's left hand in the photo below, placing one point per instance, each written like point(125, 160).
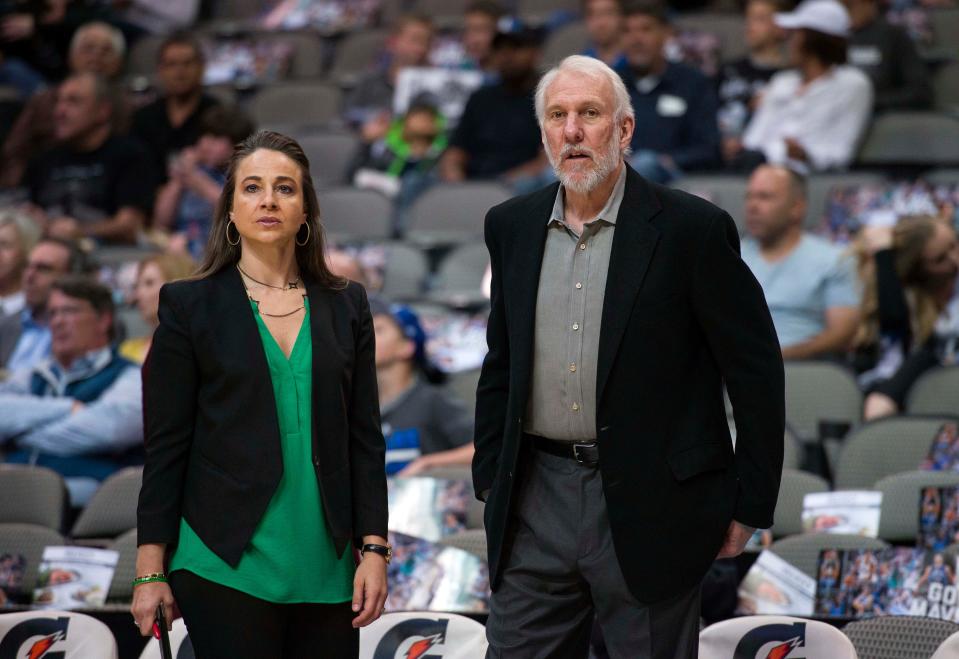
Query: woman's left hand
point(369, 589)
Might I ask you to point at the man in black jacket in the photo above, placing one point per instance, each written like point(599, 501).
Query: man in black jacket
point(619, 309)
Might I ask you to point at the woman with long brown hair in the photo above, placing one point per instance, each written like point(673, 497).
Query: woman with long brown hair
point(909, 276)
point(265, 459)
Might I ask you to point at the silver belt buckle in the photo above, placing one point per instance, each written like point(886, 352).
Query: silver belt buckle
point(576, 450)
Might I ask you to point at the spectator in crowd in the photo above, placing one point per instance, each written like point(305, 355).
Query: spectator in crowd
point(343, 264)
point(675, 105)
point(497, 136)
point(93, 183)
point(479, 28)
point(28, 48)
point(812, 116)
point(172, 122)
point(195, 177)
point(810, 285)
point(401, 164)
point(603, 20)
point(424, 427)
point(152, 273)
point(25, 337)
point(369, 105)
point(887, 54)
point(18, 235)
point(95, 48)
point(742, 81)
point(79, 412)
point(909, 308)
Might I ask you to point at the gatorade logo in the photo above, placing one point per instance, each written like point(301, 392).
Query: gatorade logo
point(22, 641)
point(413, 639)
point(772, 642)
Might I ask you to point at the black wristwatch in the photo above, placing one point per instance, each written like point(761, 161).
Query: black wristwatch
point(383, 550)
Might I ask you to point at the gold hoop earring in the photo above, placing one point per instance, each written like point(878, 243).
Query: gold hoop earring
point(234, 244)
point(308, 235)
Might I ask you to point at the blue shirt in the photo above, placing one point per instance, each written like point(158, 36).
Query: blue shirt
point(675, 115)
point(799, 289)
point(617, 64)
point(33, 346)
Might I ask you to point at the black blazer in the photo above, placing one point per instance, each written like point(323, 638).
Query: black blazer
point(682, 314)
point(212, 437)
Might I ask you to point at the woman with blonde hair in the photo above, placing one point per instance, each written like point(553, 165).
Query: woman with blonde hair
point(152, 272)
point(909, 276)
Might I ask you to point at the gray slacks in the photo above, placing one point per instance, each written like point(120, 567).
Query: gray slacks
point(562, 571)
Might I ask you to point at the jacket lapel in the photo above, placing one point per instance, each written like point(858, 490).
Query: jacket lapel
point(528, 248)
point(634, 243)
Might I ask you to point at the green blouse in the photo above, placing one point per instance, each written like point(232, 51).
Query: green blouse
point(291, 558)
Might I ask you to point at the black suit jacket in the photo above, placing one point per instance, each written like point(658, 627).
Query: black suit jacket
point(212, 437)
point(682, 314)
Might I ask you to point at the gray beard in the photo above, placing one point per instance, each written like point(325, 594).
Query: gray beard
point(602, 167)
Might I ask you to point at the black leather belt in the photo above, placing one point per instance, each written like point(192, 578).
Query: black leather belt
point(585, 453)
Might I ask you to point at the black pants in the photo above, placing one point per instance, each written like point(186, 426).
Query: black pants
point(225, 623)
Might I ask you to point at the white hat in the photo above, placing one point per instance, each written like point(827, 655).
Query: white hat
point(826, 16)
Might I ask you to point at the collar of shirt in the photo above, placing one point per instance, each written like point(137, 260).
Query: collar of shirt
point(386, 408)
point(81, 368)
point(607, 214)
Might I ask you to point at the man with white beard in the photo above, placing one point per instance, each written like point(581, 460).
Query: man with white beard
point(619, 308)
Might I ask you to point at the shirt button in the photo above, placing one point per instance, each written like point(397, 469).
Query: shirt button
point(572, 368)
point(579, 284)
point(575, 326)
point(582, 245)
point(576, 407)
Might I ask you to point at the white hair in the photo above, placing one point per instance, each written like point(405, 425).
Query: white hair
point(117, 40)
point(592, 68)
point(28, 233)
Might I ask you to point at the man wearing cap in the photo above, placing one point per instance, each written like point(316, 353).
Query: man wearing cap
point(497, 136)
point(619, 308)
point(811, 117)
point(424, 426)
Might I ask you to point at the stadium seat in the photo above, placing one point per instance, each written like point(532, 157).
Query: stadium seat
point(726, 191)
point(819, 640)
point(570, 39)
point(802, 551)
point(945, 26)
point(302, 104)
point(942, 175)
point(28, 540)
point(459, 279)
point(355, 55)
point(405, 273)
point(463, 386)
point(307, 56)
point(471, 540)
point(794, 486)
point(935, 392)
point(946, 86)
point(392, 635)
point(898, 637)
point(543, 9)
point(180, 645)
point(236, 10)
point(911, 138)
point(899, 521)
point(445, 12)
point(453, 213)
point(75, 635)
point(121, 588)
point(349, 214)
point(113, 508)
point(728, 27)
point(792, 451)
point(884, 447)
point(31, 495)
point(948, 649)
point(820, 392)
point(330, 155)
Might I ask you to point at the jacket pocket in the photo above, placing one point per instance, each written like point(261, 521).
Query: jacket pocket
point(699, 459)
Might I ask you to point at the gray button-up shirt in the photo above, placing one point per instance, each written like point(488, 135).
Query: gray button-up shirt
point(569, 312)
